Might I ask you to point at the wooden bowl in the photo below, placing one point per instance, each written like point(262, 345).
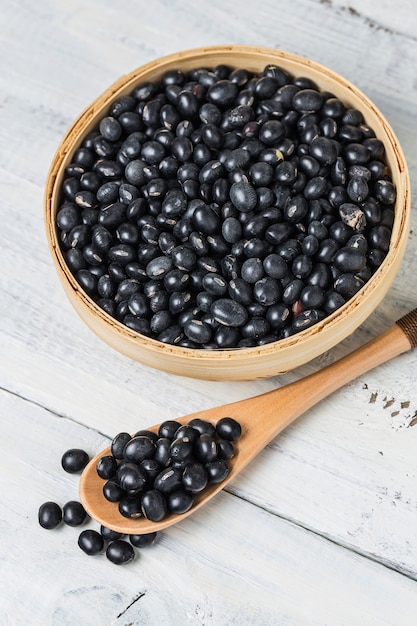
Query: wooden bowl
point(241, 363)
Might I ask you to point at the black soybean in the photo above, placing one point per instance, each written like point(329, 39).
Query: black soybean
point(153, 505)
point(73, 513)
point(110, 535)
point(106, 466)
point(264, 175)
point(228, 428)
point(91, 542)
point(120, 552)
point(49, 515)
point(179, 501)
point(140, 541)
point(130, 507)
point(74, 460)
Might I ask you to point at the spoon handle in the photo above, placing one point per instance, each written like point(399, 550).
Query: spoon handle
point(277, 409)
point(262, 418)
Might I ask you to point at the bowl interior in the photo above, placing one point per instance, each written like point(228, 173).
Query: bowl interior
point(241, 363)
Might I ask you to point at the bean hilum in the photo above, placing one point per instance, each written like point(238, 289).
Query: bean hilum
point(193, 193)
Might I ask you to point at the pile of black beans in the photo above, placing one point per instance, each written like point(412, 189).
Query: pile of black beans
point(117, 549)
point(156, 474)
point(223, 209)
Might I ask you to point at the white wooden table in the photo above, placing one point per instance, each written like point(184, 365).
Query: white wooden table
point(322, 528)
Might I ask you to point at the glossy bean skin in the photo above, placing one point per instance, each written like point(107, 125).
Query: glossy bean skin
point(49, 515)
point(74, 460)
point(120, 552)
point(73, 513)
point(91, 542)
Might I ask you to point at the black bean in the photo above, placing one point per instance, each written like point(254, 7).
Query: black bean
point(357, 189)
point(138, 448)
point(187, 431)
point(214, 284)
point(120, 552)
point(110, 128)
point(315, 188)
point(162, 451)
point(289, 249)
point(348, 285)
point(223, 93)
point(130, 506)
point(229, 312)
point(333, 301)
point(217, 470)
point(140, 541)
point(202, 426)
point(206, 219)
point(349, 259)
point(153, 505)
point(307, 100)
point(49, 515)
point(169, 479)
point(194, 477)
point(379, 237)
point(179, 501)
point(159, 267)
point(243, 196)
point(306, 319)
point(198, 331)
point(324, 150)
point(112, 491)
point(106, 467)
point(385, 191)
point(151, 469)
point(110, 535)
point(130, 477)
point(86, 280)
point(252, 270)
point(296, 209)
point(356, 153)
point(168, 428)
point(91, 542)
point(255, 327)
point(267, 291)
point(74, 460)
point(292, 291)
point(228, 428)
point(108, 169)
point(271, 132)
point(73, 513)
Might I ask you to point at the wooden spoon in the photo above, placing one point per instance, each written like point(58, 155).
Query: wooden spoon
point(262, 418)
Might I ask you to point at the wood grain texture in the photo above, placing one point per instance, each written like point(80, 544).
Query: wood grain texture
point(321, 528)
point(234, 563)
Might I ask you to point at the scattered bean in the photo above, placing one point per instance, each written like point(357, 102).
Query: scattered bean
point(49, 515)
point(74, 460)
point(91, 542)
point(120, 552)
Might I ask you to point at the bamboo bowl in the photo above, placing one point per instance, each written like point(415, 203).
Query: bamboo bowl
point(241, 363)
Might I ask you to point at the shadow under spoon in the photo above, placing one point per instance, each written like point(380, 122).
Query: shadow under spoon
point(261, 417)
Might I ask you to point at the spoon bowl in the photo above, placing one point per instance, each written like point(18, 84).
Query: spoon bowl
point(261, 418)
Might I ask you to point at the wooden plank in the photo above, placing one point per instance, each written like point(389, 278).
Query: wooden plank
point(231, 563)
point(312, 531)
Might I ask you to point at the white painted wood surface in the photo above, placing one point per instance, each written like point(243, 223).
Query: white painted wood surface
point(322, 527)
